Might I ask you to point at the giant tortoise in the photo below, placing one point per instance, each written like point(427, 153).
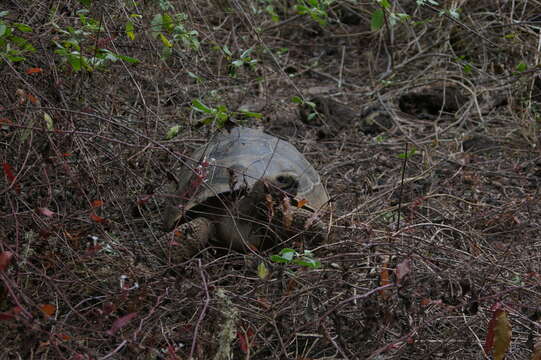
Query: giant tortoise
point(245, 189)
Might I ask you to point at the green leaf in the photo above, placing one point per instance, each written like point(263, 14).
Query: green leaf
point(296, 100)
point(22, 27)
point(278, 259)
point(262, 271)
point(227, 51)
point(128, 59)
point(129, 28)
point(167, 23)
point(75, 61)
point(3, 13)
point(237, 63)
point(16, 58)
point(86, 2)
point(3, 29)
point(301, 9)
point(521, 67)
point(408, 154)
point(156, 25)
point(173, 131)
point(384, 4)
point(246, 53)
point(377, 20)
point(165, 41)
point(252, 114)
point(48, 121)
point(199, 106)
point(288, 254)
point(311, 263)
point(195, 76)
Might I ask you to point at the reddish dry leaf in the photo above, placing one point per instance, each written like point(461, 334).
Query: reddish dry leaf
point(93, 250)
point(403, 269)
point(9, 315)
point(385, 280)
point(5, 259)
point(499, 333)
point(96, 218)
point(6, 121)
point(6, 316)
point(63, 337)
point(34, 100)
point(46, 212)
point(121, 322)
point(245, 339)
point(11, 178)
point(536, 355)
point(48, 309)
point(97, 203)
point(302, 203)
point(35, 70)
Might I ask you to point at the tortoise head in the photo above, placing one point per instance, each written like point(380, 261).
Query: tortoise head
point(278, 186)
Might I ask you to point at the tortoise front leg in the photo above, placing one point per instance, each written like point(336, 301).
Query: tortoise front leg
point(306, 221)
point(188, 239)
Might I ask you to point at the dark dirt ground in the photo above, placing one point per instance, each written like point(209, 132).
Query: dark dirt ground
point(84, 275)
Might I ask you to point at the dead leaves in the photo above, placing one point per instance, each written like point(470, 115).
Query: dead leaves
point(499, 333)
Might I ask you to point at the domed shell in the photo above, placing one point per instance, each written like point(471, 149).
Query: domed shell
point(249, 154)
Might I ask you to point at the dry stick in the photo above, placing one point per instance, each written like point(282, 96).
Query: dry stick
point(401, 188)
point(340, 78)
point(205, 306)
point(331, 340)
point(355, 297)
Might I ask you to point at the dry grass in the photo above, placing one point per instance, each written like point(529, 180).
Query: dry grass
point(469, 200)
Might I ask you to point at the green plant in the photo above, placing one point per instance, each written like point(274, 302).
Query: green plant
point(291, 256)
point(170, 30)
point(245, 59)
point(316, 9)
point(378, 16)
point(80, 51)
point(219, 115)
point(12, 46)
point(309, 104)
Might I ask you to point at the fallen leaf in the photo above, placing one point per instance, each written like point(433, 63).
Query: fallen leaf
point(5, 259)
point(384, 279)
point(34, 100)
point(11, 178)
point(262, 271)
point(302, 203)
point(121, 322)
point(96, 218)
point(6, 316)
point(48, 310)
point(46, 212)
point(499, 333)
point(97, 203)
point(245, 339)
point(536, 355)
point(35, 70)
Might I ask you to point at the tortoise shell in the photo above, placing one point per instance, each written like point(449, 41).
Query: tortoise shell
point(236, 159)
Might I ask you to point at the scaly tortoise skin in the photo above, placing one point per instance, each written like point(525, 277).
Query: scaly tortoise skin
point(251, 190)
